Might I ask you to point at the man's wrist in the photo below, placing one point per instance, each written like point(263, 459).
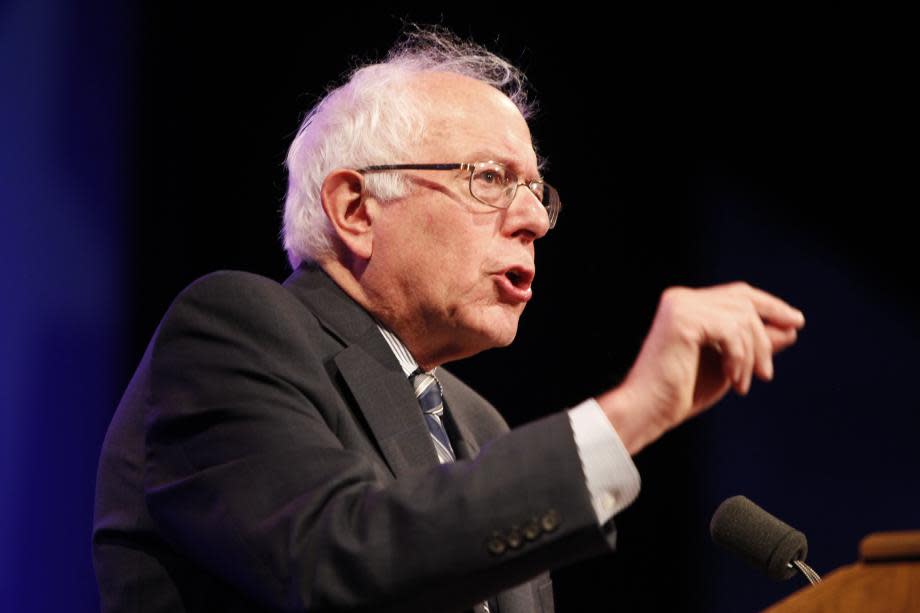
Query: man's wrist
point(636, 426)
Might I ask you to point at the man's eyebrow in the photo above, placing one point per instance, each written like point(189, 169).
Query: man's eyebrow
point(483, 155)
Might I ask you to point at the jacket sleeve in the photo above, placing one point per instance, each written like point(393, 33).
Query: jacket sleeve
point(245, 474)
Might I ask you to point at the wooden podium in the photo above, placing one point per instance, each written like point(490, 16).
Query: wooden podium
point(885, 579)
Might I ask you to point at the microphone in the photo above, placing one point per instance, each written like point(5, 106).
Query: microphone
point(761, 539)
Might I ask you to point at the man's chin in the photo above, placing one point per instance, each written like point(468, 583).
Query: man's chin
point(504, 331)
point(484, 339)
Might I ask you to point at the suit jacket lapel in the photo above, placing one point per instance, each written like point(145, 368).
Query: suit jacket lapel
point(389, 405)
point(371, 372)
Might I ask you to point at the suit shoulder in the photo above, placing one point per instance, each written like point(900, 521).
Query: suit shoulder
point(237, 290)
point(238, 304)
point(233, 283)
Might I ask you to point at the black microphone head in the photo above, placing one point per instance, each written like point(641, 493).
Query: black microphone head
point(765, 542)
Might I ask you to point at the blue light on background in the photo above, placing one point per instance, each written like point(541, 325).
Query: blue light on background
point(63, 168)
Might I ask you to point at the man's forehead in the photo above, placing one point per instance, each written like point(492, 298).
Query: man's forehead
point(471, 118)
point(458, 89)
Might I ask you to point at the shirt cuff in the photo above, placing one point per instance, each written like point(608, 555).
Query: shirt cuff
point(610, 474)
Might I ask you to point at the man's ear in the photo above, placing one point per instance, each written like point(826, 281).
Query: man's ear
point(350, 210)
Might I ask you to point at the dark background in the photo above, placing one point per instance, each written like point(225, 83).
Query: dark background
point(143, 147)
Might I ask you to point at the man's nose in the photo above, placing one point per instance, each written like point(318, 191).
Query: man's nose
point(526, 216)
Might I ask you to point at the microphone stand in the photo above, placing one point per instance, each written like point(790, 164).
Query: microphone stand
point(806, 570)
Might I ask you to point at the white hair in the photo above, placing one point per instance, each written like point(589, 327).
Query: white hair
point(373, 118)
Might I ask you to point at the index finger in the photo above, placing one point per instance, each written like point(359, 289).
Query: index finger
point(775, 310)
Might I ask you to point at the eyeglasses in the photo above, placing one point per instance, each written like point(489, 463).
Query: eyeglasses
point(491, 183)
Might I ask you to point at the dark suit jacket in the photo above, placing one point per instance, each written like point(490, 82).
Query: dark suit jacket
point(269, 454)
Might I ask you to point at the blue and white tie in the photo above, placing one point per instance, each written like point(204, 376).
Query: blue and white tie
point(428, 392)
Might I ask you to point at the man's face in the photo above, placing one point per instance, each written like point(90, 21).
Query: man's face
point(458, 272)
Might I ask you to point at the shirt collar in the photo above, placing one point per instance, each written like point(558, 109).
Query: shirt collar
point(406, 361)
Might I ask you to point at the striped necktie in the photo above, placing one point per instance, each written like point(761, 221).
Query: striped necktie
point(428, 392)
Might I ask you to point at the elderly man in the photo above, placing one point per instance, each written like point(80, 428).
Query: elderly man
point(299, 447)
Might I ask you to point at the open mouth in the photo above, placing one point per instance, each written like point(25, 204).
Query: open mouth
point(520, 278)
point(515, 284)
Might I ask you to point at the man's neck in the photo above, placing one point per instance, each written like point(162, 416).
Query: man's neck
point(409, 331)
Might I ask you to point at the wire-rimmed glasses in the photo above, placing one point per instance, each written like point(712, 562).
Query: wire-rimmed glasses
point(491, 183)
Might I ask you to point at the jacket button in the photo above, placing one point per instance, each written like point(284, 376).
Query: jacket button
point(532, 529)
point(496, 544)
point(550, 520)
point(515, 538)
